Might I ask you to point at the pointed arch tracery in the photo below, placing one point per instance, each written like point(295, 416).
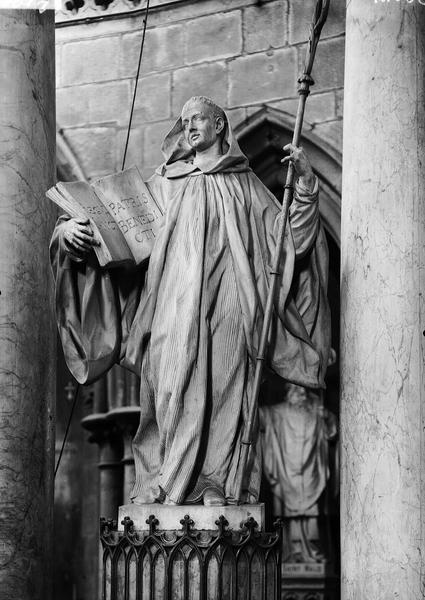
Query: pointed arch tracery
point(262, 137)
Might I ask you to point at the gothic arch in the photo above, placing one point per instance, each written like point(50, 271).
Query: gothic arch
point(262, 137)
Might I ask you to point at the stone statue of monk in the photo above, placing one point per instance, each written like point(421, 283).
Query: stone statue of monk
point(189, 323)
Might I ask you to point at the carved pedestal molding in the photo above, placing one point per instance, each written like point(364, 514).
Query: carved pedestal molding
point(204, 516)
point(27, 332)
point(201, 557)
point(381, 301)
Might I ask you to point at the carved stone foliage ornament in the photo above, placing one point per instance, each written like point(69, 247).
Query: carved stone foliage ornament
point(87, 9)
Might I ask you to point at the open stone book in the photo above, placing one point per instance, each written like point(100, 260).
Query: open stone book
point(123, 214)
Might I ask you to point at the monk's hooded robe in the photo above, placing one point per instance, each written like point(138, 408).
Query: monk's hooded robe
point(189, 324)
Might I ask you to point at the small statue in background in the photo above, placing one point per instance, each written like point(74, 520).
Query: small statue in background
point(295, 433)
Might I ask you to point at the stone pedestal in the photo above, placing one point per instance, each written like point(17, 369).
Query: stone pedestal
point(382, 307)
point(190, 551)
point(309, 581)
point(204, 517)
point(27, 331)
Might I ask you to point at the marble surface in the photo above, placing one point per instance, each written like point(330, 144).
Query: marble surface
point(27, 334)
point(382, 282)
point(204, 517)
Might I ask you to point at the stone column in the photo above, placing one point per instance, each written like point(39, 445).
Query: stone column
point(126, 418)
point(382, 307)
point(110, 471)
point(27, 332)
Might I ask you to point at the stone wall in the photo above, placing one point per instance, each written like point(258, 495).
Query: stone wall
point(242, 53)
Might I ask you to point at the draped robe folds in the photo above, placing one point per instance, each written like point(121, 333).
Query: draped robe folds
point(189, 324)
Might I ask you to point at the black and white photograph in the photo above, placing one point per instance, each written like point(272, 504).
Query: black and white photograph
point(212, 316)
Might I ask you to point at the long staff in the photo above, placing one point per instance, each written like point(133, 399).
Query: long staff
point(305, 81)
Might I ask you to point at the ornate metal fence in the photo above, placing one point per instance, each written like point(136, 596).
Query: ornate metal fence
point(188, 564)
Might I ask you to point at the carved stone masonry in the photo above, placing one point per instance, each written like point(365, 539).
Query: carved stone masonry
point(87, 9)
point(187, 562)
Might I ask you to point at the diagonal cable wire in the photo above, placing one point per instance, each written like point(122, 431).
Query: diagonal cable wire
point(145, 21)
point(68, 425)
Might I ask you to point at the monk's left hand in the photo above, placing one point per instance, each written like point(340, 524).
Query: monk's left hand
point(301, 164)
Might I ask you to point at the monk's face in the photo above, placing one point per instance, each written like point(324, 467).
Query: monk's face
point(201, 129)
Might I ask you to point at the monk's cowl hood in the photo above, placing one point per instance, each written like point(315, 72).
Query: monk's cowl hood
point(179, 155)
